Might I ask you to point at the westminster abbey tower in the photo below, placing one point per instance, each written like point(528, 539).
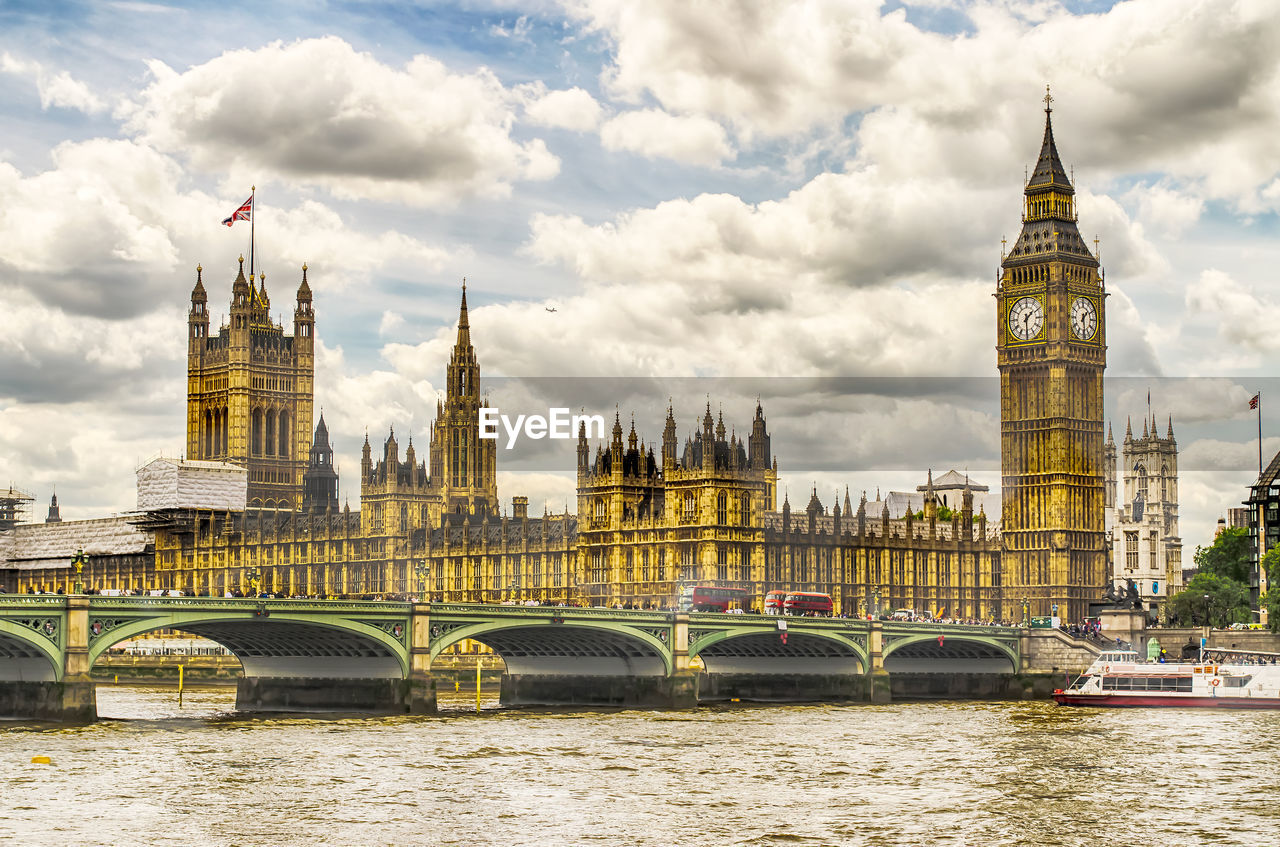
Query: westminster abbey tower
point(1051, 352)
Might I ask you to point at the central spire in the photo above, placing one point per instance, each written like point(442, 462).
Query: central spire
point(1049, 170)
point(464, 326)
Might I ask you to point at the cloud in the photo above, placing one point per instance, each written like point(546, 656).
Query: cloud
point(1244, 318)
point(317, 112)
point(654, 134)
point(58, 90)
point(1174, 85)
point(104, 231)
point(573, 109)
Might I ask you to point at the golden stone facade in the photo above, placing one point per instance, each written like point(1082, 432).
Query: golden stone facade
point(704, 511)
point(250, 389)
point(1051, 352)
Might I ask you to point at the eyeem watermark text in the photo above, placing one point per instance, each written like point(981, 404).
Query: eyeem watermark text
point(557, 424)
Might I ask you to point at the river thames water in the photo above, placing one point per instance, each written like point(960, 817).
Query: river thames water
point(907, 773)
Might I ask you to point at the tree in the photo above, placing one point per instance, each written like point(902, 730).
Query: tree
point(1230, 556)
point(1270, 564)
point(1228, 601)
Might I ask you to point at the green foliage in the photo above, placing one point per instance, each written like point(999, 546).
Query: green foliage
point(944, 513)
point(1270, 565)
point(1230, 556)
point(1228, 601)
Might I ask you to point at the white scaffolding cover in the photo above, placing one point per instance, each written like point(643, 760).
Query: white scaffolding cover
point(178, 484)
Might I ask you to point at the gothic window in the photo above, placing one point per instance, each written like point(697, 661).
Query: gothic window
point(1140, 472)
point(1131, 550)
point(686, 563)
point(644, 566)
point(283, 452)
point(630, 575)
point(404, 517)
point(1152, 552)
point(722, 508)
point(270, 438)
point(602, 509)
point(690, 506)
point(597, 566)
point(257, 432)
point(1164, 483)
point(722, 564)
point(537, 571)
point(459, 463)
point(662, 564)
point(744, 513)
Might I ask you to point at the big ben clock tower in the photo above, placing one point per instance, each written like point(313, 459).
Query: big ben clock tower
point(1051, 351)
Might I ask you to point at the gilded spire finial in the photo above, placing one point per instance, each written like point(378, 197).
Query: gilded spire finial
point(1048, 100)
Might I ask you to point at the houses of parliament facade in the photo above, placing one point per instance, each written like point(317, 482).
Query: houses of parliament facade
point(702, 511)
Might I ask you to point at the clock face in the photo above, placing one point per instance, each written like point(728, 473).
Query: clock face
point(1084, 318)
point(1026, 318)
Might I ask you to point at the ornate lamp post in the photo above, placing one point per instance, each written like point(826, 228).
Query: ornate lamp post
point(1207, 622)
point(1026, 613)
point(423, 571)
point(875, 604)
point(78, 561)
point(253, 575)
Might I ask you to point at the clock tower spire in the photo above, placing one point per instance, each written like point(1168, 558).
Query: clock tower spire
point(1051, 353)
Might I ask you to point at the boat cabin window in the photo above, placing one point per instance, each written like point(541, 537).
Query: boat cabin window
point(1235, 681)
point(1118, 656)
point(1146, 683)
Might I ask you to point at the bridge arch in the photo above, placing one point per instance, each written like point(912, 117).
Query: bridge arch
point(26, 656)
point(923, 653)
point(277, 644)
point(571, 647)
point(747, 649)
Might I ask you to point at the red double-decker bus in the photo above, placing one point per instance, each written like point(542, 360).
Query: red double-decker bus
point(710, 598)
point(775, 602)
point(807, 603)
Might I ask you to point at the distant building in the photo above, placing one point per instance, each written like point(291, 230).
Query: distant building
point(1146, 546)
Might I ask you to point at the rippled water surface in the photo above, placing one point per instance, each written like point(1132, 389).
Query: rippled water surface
point(909, 773)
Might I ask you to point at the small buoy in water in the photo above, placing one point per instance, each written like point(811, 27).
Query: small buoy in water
point(41, 760)
point(734, 700)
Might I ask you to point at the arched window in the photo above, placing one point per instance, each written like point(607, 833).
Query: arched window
point(1140, 475)
point(690, 506)
point(1164, 483)
point(257, 432)
point(271, 434)
point(744, 513)
point(283, 452)
point(722, 508)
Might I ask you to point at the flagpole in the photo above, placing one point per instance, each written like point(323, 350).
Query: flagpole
point(253, 219)
point(1259, 436)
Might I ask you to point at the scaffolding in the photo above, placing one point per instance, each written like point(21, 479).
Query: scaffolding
point(13, 507)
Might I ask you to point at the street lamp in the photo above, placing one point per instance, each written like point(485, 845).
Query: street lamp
point(253, 576)
point(875, 604)
point(1026, 613)
point(423, 570)
point(1207, 622)
point(78, 561)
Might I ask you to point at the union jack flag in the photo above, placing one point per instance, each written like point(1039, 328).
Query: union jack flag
point(1253, 402)
point(241, 214)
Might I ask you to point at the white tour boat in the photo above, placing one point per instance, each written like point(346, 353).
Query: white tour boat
point(1233, 679)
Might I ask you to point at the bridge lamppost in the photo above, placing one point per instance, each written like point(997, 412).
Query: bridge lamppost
point(875, 604)
point(423, 570)
point(78, 561)
point(253, 575)
point(1207, 621)
point(1026, 613)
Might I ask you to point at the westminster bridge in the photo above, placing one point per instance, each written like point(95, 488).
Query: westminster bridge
point(377, 656)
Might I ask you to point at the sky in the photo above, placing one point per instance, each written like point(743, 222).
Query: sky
point(801, 202)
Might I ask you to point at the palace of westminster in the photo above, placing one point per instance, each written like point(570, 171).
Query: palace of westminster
point(646, 524)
